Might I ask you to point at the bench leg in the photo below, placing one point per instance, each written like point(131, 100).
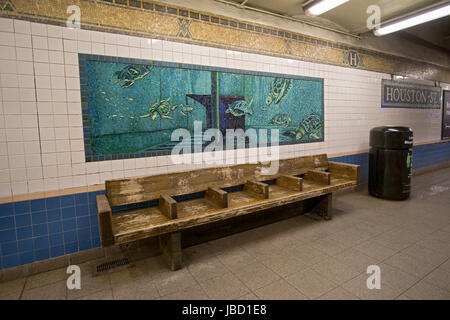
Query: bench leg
point(325, 206)
point(171, 247)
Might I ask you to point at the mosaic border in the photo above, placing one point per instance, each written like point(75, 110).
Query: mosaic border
point(83, 58)
point(350, 56)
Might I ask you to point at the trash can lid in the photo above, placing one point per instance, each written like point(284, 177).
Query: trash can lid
point(391, 137)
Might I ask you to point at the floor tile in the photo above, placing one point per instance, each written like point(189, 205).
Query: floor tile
point(429, 255)
point(375, 250)
point(358, 287)
point(256, 275)
point(54, 291)
point(280, 290)
point(397, 279)
point(311, 283)
point(335, 270)
point(41, 279)
point(174, 281)
point(207, 268)
point(225, 287)
point(439, 277)
point(135, 290)
point(236, 258)
point(101, 295)
point(90, 285)
point(411, 265)
point(356, 259)
point(12, 290)
point(425, 291)
point(338, 293)
point(192, 293)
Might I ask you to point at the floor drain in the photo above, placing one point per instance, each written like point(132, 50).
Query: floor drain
point(111, 265)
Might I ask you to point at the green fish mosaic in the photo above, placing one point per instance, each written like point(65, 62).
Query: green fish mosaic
point(131, 107)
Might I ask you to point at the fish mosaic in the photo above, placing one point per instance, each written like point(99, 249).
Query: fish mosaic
point(161, 109)
point(281, 119)
point(240, 108)
point(279, 89)
point(133, 106)
point(310, 126)
point(132, 73)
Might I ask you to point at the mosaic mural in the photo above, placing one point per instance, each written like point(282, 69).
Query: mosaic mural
point(131, 107)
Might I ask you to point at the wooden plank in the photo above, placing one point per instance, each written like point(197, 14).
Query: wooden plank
point(141, 189)
point(170, 245)
point(258, 188)
point(168, 206)
point(318, 176)
point(344, 170)
point(201, 219)
point(324, 205)
point(217, 196)
point(105, 221)
point(290, 182)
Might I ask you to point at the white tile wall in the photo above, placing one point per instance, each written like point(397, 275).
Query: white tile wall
point(41, 134)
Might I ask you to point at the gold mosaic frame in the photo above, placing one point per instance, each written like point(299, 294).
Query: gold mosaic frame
point(162, 21)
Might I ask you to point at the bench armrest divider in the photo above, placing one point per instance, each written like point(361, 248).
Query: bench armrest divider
point(344, 170)
point(105, 220)
point(168, 206)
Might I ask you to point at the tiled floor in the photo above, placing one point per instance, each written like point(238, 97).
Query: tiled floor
point(298, 258)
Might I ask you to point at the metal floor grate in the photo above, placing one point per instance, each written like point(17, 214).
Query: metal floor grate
point(110, 265)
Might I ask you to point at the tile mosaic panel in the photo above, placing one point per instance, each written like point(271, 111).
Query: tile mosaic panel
point(131, 107)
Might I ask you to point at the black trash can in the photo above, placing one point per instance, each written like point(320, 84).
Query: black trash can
point(390, 162)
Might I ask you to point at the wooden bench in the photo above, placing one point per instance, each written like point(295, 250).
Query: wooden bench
point(213, 194)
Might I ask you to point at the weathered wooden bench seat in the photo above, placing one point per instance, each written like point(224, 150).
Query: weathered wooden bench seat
point(178, 201)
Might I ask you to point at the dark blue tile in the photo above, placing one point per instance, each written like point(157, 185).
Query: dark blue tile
point(67, 201)
point(6, 209)
point(39, 217)
point(23, 220)
point(9, 248)
point(83, 222)
point(56, 239)
point(25, 245)
point(93, 209)
point(69, 224)
point(68, 212)
point(10, 261)
point(82, 210)
point(70, 236)
point(41, 242)
point(71, 247)
point(7, 236)
point(26, 257)
point(57, 251)
point(37, 205)
point(84, 233)
point(96, 243)
point(52, 203)
point(24, 233)
point(55, 227)
point(40, 230)
point(85, 244)
point(95, 232)
point(53, 215)
point(81, 199)
point(93, 220)
point(92, 197)
point(21, 207)
point(7, 223)
point(42, 254)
